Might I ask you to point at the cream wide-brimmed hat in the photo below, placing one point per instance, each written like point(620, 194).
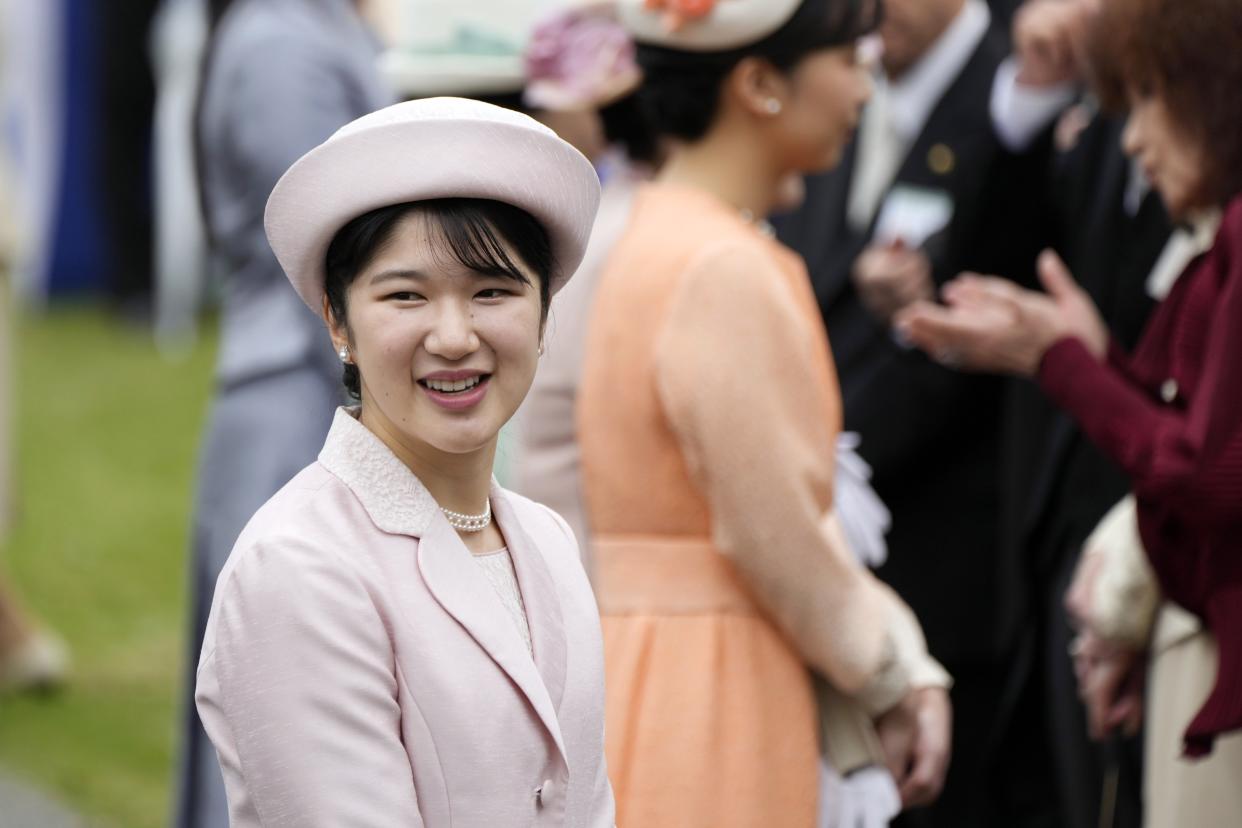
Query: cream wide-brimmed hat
point(704, 25)
point(428, 149)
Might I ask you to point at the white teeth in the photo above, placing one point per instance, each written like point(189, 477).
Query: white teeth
point(453, 386)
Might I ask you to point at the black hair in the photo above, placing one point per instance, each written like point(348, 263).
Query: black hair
point(474, 232)
point(680, 94)
point(625, 124)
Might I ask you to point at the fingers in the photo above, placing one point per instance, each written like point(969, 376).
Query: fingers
point(940, 330)
point(1055, 276)
point(973, 289)
point(930, 760)
point(1096, 707)
point(928, 326)
point(1126, 714)
point(896, 757)
point(893, 263)
point(922, 785)
point(897, 743)
point(1112, 694)
point(1097, 701)
point(888, 278)
point(1044, 36)
point(912, 283)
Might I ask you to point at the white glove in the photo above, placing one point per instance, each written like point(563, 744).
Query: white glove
point(867, 798)
point(864, 518)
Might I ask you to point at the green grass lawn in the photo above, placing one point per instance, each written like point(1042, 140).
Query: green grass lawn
point(106, 437)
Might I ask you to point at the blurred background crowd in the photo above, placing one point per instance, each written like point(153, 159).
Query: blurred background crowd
point(159, 380)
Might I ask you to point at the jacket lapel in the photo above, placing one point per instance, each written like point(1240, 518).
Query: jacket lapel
point(456, 582)
point(543, 606)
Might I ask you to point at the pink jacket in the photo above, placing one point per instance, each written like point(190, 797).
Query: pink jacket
point(359, 670)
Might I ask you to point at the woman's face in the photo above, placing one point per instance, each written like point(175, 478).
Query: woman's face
point(828, 89)
point(445, 354)
point(1170, 158)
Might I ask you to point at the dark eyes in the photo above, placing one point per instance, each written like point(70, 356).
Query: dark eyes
point(487, 294)
point(493, 293)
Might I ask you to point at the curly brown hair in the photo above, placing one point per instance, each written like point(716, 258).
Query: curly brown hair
point(1189, 53)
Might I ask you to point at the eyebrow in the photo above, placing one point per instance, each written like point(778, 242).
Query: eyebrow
point(390, 275)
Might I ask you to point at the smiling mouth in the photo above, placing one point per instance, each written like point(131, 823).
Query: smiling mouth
point(451, 387)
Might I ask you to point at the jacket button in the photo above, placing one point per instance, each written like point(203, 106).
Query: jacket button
point(1168, 390)
point(544, 791)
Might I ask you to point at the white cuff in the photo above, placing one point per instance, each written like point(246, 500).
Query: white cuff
point(1020, 112)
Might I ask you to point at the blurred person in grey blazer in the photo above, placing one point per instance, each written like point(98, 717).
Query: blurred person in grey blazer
point(280, 77)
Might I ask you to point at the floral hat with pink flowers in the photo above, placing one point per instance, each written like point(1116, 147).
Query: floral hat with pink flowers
point(580, 58)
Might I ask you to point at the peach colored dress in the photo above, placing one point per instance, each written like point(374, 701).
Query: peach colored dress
point(708, 418)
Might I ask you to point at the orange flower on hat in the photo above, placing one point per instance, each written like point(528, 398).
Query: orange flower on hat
point(677, 13)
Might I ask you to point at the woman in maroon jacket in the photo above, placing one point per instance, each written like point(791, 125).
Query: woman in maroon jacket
point(1170, 413)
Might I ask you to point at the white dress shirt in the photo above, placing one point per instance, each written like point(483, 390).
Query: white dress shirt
point(899, 110)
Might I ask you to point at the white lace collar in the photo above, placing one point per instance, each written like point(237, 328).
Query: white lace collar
point(396, 500)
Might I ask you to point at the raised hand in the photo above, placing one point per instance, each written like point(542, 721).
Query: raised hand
point(1049, 38)
point(889, 277)
point(990, 324)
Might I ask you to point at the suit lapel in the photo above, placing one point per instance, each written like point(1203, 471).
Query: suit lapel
point(820, 230)
point(543, 606)
point(935, 153)
point(463, 591)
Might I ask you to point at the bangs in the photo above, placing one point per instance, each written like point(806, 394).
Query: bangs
point(487, 237)
point(473, 234)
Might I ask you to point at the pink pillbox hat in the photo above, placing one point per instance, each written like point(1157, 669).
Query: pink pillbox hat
point(429, 149)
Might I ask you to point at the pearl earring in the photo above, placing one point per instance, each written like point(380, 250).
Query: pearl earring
point(540, 349)
point(772, 106)
point(344, 354)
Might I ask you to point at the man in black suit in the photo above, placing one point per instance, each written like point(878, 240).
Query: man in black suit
point(925, 192)
point(1110, 229)
point(1058, 487)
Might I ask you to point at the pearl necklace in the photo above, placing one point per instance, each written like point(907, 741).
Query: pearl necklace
point(469, 523)
point(764, 226)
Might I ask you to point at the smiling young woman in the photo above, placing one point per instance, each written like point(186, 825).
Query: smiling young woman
point(390, 640)
point(438, 308)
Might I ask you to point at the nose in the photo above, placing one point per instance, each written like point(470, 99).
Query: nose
point(452, 335)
